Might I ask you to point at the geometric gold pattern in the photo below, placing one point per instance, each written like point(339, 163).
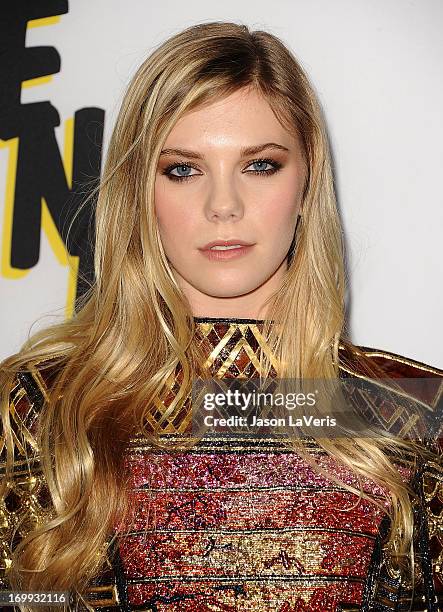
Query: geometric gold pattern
point(233, 348)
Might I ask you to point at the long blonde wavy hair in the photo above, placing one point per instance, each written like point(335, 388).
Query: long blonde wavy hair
point(134, 325)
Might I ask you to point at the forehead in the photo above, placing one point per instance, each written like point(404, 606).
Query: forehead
point(244, 116)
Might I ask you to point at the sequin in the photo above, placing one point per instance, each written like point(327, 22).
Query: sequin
point(230, 525)
point(238, 523)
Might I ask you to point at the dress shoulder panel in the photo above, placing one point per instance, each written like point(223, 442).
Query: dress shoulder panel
point(26, 399)
point(391, 364)
point(399, 365)
point(408, 378)
point(28, 393)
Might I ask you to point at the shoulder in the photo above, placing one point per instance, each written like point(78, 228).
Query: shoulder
point(405, 377)
point(391, 364)
point(28, 393)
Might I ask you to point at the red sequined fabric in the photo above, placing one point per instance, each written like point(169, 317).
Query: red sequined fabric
point(241, 523)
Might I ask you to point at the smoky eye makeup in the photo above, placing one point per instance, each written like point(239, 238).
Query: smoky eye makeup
point(184, 166)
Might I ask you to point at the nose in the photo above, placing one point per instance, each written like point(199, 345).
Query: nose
point(224, 202)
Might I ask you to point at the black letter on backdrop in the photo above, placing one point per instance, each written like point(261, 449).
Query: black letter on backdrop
point(40, 171)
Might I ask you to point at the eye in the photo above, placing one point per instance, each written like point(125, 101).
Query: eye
point(275, 166)
point(181, 166)
point(186, 167)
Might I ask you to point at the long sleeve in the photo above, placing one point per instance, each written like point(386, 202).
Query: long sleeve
point(432, 495)
point(26, 500)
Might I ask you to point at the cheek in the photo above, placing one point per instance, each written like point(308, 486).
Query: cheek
point(279, 216)
point(174, 219)
point(168, 211)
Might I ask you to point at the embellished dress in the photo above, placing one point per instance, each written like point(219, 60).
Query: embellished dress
point(244, 523)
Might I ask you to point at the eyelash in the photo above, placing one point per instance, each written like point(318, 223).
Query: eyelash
point(276, 167)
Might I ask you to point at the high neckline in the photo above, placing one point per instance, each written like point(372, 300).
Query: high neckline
point(232, 345)
point(232, 320)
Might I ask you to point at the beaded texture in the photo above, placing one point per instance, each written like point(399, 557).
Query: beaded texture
point(240, 522)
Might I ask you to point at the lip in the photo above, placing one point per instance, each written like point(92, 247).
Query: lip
point(225, 243)
point(229, 254)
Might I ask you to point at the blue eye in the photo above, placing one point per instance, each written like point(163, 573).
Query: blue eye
point(275, 166)
point(186, 167)
point(180, 167)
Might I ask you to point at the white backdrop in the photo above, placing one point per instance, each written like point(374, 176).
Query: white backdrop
point(377, 67)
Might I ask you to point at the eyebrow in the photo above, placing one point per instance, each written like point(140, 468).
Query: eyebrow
point(243, 152)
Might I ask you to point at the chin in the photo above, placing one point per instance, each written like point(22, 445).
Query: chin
point(225, 289)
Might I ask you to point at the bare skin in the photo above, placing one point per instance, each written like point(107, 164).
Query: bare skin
point(224, 199)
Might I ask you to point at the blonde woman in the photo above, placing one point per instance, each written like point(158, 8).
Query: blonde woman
point(218, 254)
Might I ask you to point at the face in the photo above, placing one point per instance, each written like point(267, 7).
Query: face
point(208, 189)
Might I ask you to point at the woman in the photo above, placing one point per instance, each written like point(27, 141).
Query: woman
point(219, 143)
